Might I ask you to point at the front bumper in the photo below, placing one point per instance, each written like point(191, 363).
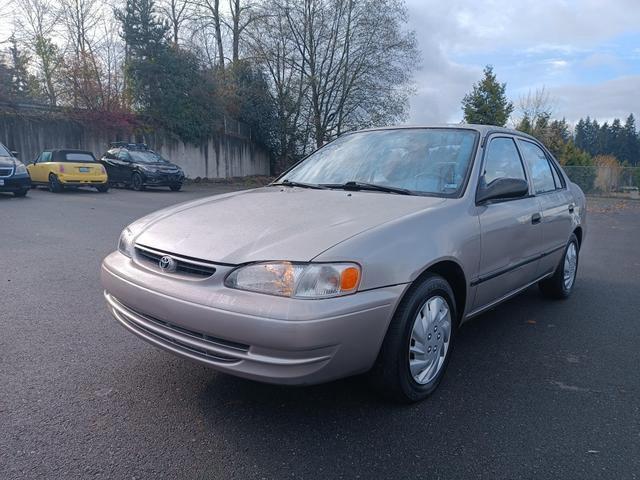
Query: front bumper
point(15, 183)
point(162, 179)
point(261, 337)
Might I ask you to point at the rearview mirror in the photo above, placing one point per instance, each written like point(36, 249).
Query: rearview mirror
point(501, 189)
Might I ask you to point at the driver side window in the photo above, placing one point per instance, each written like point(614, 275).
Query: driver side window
point(502, 160)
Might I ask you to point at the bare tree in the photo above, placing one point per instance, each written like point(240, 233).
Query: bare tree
point(356, 58)
point(36, 22)
point(536, 104)
point(83, 73)
point(177, 12)
point(208, 13)
point(273, 47)
point(242, 14)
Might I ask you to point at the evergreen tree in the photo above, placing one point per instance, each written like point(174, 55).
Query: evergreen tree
point(24, 86)
point(6, 84)
point(164, 81)
point(614, 140)
point(487, 103)
point(631, 142)
point(580, 137)
point(145, 36)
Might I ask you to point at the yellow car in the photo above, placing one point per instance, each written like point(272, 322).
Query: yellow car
point(68, 168)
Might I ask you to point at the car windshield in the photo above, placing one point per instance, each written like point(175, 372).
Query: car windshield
point(423, 161)
point(146, 156)
point(78, 157)
point(4, 152)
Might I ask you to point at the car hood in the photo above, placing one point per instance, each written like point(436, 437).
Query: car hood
point(167, 165)
point(273, 223)
point(6, 162)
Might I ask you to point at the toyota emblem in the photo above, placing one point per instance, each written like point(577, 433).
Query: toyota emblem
point(167, 264)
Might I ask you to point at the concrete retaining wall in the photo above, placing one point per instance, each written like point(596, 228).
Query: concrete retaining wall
point(222, 156)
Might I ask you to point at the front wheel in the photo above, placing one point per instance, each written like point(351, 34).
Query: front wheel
point(21, 193)
point(416, 350)
point(560, 285)
point(54, 184)
point(103, 188)
point(136, 182)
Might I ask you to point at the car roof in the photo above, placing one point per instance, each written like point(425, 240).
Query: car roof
point(482, 129)
point(67, 150)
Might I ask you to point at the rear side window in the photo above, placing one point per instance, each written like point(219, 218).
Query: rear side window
point(502, 161)
point(541, 171)
point(45, 157)
point(79, 157)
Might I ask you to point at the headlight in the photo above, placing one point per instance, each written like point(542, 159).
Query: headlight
point(125, 243)
point(20, 169)
point(297, 280)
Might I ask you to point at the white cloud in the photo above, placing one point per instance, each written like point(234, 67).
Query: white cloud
point(545, 42)
point(604, 101)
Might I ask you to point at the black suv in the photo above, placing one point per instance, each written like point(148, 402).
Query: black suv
point(135, 166)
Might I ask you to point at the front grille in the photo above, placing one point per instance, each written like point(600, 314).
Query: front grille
point(184, 265)
point(205, 346)
point(6, 172)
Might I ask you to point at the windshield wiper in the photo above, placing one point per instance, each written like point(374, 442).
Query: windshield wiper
point(368, 186)
point(289, 183)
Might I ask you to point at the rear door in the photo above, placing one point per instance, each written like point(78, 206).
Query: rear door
point(555, 201)
point(510, 229)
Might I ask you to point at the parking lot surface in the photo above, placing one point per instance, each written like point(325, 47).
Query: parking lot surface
point(535, 388)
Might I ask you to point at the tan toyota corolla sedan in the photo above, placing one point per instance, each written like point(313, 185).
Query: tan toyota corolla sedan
point(364, 257)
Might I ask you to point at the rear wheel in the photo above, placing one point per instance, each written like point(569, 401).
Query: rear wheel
point(175, 188)
point(54, 184)
point(416, 350)
point(21, 193)
point(560, 285)
point(136, 182)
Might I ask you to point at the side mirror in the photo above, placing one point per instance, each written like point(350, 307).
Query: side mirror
point(502, 188)
point(14, 153)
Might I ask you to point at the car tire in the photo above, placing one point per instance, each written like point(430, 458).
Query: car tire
point(54, 184)
point(103, 188)
point(175, 188)
point(420, 317)
point(561, 283)
point(21, 193)
point(136, 182)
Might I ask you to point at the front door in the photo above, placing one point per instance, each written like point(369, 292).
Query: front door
point(511, 231)
point(39, 171)
point(117, 166)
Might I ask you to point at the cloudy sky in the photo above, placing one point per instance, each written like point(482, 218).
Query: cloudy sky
point(586, 53)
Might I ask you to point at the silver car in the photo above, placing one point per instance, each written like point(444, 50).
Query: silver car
point(366, 256)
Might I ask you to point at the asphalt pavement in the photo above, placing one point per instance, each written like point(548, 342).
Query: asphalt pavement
point(535, 388)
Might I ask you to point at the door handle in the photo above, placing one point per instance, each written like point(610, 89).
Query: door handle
point(536, 218)
point(571, 207)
